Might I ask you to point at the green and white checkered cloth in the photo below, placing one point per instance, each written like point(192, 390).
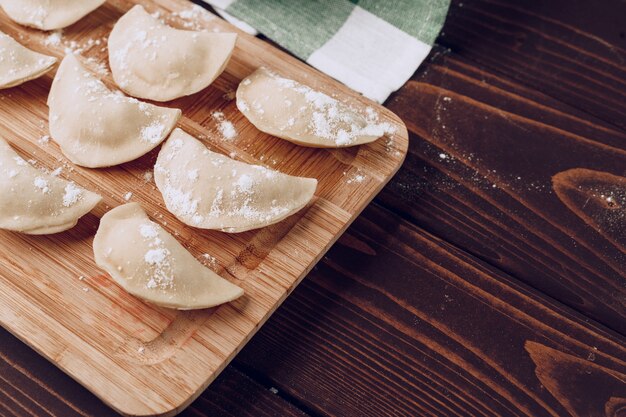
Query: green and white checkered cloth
point(372, 46)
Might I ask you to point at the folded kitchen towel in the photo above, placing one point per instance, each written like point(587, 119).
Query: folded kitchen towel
point(372, 46)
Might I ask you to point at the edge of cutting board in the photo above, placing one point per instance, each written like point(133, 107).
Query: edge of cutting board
point(28, 306)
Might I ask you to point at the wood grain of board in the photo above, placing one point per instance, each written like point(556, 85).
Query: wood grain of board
point(140, 359)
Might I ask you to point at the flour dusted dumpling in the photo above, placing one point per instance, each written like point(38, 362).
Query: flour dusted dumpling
point(207, 190)
point(19, 64)
point(97, 127)
point(154, 61)
point(150, 264)
point(48, 14)
point(299, 114)
point(35, 202)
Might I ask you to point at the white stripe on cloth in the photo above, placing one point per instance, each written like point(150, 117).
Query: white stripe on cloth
point(370, 55)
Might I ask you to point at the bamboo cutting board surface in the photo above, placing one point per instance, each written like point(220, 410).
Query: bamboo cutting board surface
point(141, 359)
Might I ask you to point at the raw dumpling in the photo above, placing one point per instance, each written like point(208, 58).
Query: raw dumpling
point(299, 114)
point(96, 127)
point(19, 64)
point(48, 14)
point(154, 61)
point(207, 190)
point(149, 263)
point(37, 203)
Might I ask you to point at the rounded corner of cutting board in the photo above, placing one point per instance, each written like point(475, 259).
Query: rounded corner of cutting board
point(403, 136)
point(143, 410)
point(400, 138)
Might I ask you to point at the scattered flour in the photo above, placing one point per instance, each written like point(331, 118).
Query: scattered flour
point(225, 127)
point(209, 260)
point(245, 183)
point(72, 194)
point(192, 174)
point(194, 17)
point(153, 133)
point(330, 118)
point(54, 38)
point(42, 184)
point(157, 258)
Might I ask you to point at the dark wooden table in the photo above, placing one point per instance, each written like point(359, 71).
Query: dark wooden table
point(488, 279)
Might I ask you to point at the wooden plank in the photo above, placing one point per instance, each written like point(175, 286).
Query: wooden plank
point(31, 386)
point(395, 321)
point(519, 179)
point(139, 359)
point(574, 51)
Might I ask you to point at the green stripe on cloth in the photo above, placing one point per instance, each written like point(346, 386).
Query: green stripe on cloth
point(301, 26)
point(422, 19)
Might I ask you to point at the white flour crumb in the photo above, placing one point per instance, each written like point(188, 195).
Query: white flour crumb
point(54, 38)
point(181, 201)
point(211, 260)
point(192, 174)
point(148, 230)
point(157, 259)
point(245, 183)
point(358, 178)
point(19, 160)
point(152, 133)
point(156, 256)
point(44, 139)
point(72, 194)
point(192, 16)
point(225, 127)
point(147, 176)
point(128, 196)
point(42, 184)
point(100, 67)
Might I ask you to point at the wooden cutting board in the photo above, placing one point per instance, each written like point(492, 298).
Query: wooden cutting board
point(141, 359)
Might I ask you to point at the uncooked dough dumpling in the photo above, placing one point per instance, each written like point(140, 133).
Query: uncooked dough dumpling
point(211, 191)
point(35, 202)
point(97, 127)
point(48, 14)
point(295, 112)
point(150, 264)
point(151, 60)
point(19, 64)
